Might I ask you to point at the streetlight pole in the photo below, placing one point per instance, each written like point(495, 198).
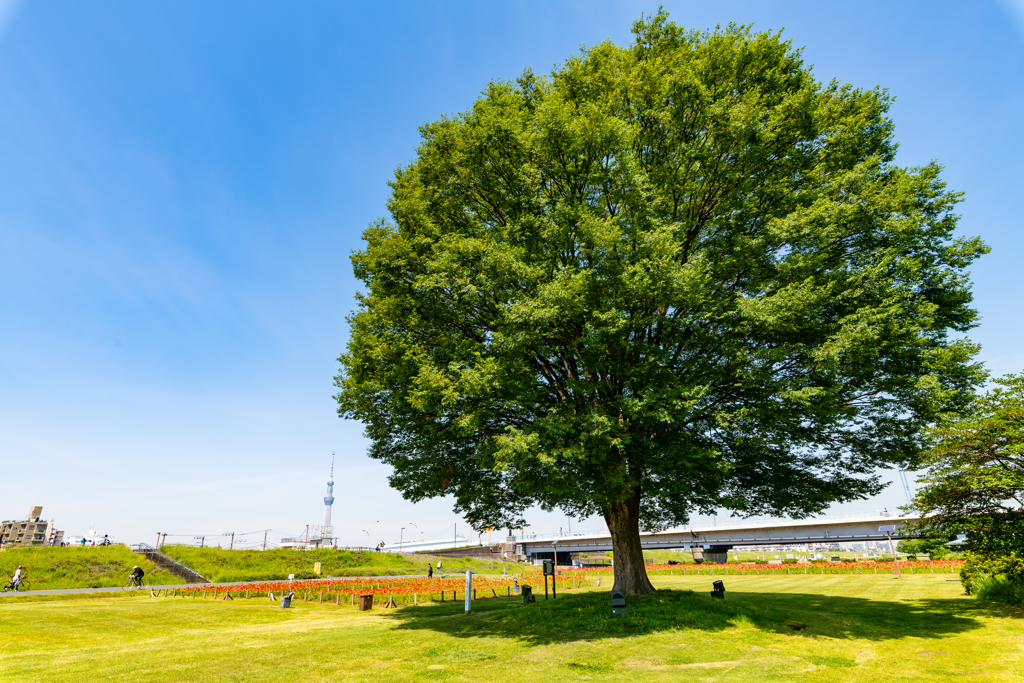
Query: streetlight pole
point(401, 532)
point(370, 527)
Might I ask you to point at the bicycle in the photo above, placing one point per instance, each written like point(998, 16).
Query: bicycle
point(22, 586)
point(133, 584)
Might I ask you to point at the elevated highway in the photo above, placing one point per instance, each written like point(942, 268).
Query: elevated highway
point(719, 538)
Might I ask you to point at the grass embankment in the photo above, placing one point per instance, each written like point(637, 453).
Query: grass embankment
point(219, 565)
point(794, 628)
point(51, 568)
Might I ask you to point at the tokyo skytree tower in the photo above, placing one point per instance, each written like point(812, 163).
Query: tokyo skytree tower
point(327, 531)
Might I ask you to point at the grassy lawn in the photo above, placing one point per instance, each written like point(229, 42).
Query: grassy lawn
point(794, 628)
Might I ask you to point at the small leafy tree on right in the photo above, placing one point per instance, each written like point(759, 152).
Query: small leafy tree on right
point(975, 483)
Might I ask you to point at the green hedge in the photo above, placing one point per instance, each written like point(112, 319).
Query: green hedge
point(996, 575)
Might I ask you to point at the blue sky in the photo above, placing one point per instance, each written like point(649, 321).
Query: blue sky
point(181, 185)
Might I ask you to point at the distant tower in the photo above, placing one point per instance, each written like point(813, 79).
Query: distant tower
point(327, 531)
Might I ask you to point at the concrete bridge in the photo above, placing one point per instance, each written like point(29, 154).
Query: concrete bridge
point(714, 540)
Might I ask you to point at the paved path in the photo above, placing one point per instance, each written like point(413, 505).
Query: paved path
point(70, 591)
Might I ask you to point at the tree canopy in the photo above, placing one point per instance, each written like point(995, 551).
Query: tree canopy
point(677, 276)
point(974, 484)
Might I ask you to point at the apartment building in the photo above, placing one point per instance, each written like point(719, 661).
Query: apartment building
point(31, 531)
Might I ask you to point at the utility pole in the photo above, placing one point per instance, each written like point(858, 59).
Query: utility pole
point(164, 540)
point(232, 540)
point(158, 539)
point(455, 540)
point(307, 534)
point(265, 538)
point(400, 533)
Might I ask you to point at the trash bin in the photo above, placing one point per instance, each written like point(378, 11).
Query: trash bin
point(528, 595)
point(286, 600)
point(365, 602)
point(619, 608)
point(719, 589)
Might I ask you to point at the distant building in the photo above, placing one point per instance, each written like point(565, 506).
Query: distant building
point(325, 534)
point(294, 544)
point(317, 536)
point(31, 531)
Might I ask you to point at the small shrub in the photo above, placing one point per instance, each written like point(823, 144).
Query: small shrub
point(789, 560)
point(1000, 589)
point(977, 570)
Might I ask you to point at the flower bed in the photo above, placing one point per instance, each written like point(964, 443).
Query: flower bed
point(412, 590)
point(399, 590)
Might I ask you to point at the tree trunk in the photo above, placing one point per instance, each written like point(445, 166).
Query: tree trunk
point(623, 518)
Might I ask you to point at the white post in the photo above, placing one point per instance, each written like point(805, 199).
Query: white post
point(469, 591)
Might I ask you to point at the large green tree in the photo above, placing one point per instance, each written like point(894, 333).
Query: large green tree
point(974, 483)
point(677, 276)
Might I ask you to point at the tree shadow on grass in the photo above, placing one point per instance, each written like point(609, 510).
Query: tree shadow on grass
point(587, 616)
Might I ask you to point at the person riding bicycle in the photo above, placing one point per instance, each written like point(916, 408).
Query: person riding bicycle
point(137, 575)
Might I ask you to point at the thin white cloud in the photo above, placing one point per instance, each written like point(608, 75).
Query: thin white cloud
point(1015, 8)
point(8, 10)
